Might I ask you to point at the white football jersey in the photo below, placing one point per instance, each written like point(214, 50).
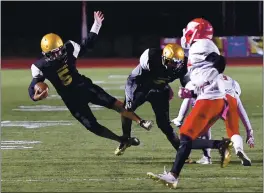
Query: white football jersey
point(202, 73)
point(199, 51)
point(231, 86)
point(190, 86)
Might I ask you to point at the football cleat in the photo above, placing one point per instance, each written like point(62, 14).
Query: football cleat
point(166, 178)
point(204, 160)
point(189, 161)
point(225, 152)
point(244, 158)
point(146, 124)
point(124, 145)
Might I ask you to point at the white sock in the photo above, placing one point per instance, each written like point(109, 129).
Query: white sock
point(207, 135)
point(237, 142)
point(184, 109)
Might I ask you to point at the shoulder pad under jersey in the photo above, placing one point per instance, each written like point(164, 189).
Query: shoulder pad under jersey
point(72, 47)
point(201, 49)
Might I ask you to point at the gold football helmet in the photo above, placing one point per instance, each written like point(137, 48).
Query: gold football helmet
point(173, 55)
point(51, 46)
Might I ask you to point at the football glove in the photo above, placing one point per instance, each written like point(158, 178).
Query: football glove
point(250, 139)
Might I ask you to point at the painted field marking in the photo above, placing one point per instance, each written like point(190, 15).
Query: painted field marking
point(111, 179)
point(18, 144)
point(115, 88)
point(117, 76)
point(109, 82)
point(38, 108)
point(33, 124)
point(55, 97)
point(15, 147)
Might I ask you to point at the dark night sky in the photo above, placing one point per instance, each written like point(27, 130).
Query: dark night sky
point(25, 22)
point(163, 18)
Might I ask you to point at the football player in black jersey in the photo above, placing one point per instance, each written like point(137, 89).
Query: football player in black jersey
point(58, 65)
point(149, 81)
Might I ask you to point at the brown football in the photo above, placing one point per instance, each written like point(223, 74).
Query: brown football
point(41, 86)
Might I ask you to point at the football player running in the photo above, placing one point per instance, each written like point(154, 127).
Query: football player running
point(204, 65)
point(232, 89)
point(58, 65)
point(149, 82)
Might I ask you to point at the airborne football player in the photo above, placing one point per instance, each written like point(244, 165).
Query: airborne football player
point(58, 65)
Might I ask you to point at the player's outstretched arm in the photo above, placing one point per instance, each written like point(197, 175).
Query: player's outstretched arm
point(88, 43)
point(245, 120)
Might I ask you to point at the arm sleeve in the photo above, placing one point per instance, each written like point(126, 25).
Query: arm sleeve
point(185, 106)
point(137, 74)
point(243, 115)
point(87, 43)
point(133, 81)
point(37, 77)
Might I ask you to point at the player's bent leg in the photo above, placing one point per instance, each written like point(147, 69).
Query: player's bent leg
point(126, 128)
point(160, 105)
point(206, 158)
point(102, 98)
point(119, 107)
point(203, 115)
point(126, 124)
point(171, 178)
point(238, 146)
point(232, 118)
point(182, 154)
point(87, 119)
point(232, 128)
point(168, 130)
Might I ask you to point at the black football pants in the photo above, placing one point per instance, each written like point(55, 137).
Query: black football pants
point(159, 100)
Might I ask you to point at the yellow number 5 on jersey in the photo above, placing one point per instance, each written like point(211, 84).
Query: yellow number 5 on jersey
point(64, 76)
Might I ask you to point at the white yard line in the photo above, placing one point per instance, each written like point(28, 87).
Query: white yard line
point(117, 76)
point(114, 88)
point(55, 97)
point(19, 142)
point(15, 147)
point(111, 179)
point(39, 108)
point(34, 124)
point(109, 82)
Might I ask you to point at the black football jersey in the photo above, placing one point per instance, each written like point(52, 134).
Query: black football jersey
point(151, 73)
point(63, 74)
point(155, 72)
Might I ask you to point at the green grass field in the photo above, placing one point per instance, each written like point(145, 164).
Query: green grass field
point(68, 158)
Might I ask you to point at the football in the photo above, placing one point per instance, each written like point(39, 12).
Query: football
point(41, 86)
